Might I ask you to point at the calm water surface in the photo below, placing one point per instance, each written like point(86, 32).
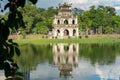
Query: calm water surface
point(70, 61)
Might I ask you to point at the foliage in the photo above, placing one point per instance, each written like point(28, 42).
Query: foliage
point(100, 20)
point(103, 17)
point(41, 27)
point(8, 47)
point(37, 20)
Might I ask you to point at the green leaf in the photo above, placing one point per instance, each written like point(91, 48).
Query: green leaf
point(11, 51)
point(21, 3)
point(15, 44)
point(17, 51)
point(34, 1)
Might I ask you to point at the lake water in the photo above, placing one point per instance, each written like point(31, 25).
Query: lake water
point(70, 61)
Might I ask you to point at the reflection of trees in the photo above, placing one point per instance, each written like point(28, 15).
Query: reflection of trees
point(101, 54)
point(32, 55)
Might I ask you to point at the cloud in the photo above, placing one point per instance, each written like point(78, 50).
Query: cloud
point(117, 8)
point(83, 4)
point(84, 69)
point(109, 71)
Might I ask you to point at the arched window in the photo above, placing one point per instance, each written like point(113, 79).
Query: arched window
point(74, 59)
point(73, 22)
point(58, 22)
point(58, 49)
point(74, 32)
point(58, 31)
point(74, 48)
point(66, 32)
point(66, 48)
point(59, 59)
point(67, 59)
point(66, 22)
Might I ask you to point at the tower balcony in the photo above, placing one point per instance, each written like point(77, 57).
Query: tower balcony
point(64, 25)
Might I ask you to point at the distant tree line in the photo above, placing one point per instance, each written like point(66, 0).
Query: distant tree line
point(37, 20)
point(100, 20)
point(96, 20)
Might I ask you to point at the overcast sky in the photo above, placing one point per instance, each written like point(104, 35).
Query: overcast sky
point(83, 4)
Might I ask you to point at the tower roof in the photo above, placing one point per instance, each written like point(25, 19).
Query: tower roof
point(65, 4)
point(65, 7)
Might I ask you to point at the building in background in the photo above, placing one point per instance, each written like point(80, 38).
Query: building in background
point(65, 24)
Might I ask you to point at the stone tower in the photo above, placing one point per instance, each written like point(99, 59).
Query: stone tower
point(65, 24)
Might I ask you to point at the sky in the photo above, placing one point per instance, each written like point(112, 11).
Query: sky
point(82, 4)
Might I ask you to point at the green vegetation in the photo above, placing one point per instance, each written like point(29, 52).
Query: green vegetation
point(11, 21)
point(37, 20)
point(101, 20)
point(96, 20)
point(71, 40)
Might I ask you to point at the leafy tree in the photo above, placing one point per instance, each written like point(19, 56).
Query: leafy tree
point(29, 12)
point(99, 19)
point(41, 27)
point(33, 15)
point(7, 47)
point(85, 21)
point(116, 20)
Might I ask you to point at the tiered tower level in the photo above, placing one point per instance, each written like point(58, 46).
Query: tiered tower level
point(65, 24)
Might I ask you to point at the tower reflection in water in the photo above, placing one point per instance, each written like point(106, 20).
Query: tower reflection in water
point(65, 57)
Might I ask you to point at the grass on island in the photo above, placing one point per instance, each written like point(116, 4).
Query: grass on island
point(71, 40)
